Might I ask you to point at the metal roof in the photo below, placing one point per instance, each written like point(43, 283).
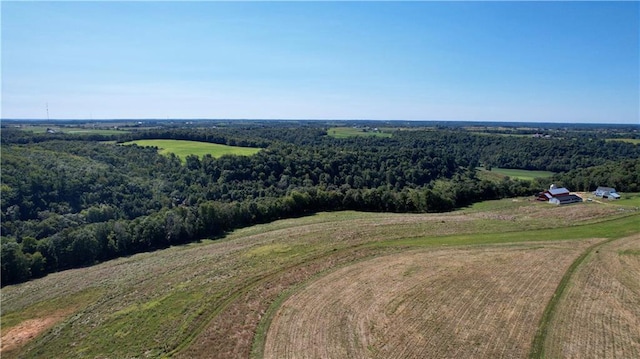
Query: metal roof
point(569, 198)
point(606, 189)
point(557, 191)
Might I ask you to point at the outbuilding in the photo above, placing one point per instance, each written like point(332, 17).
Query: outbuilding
point(565, 199)
point(552, 193)
point(558, 195)
point(606, 192)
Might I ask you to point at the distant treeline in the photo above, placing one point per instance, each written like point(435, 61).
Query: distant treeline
point(623, 175)
point(69, 200)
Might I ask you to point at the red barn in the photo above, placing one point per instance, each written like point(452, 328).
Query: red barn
point(552, 193)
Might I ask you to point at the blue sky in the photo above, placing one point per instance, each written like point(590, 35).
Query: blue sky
point(476, 61)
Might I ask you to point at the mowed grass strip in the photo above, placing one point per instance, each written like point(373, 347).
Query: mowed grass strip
point(613, 228)
point(182, 148)
point(537, 346)
point(597, 313)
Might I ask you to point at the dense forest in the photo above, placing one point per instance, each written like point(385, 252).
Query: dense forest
point(72, 200)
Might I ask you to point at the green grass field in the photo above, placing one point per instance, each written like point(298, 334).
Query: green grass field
point(483, 174)
point(161, 304)
point(628, 199)
point(617, 228)
point(521, 174)
point(344, 132)
point(184, 148)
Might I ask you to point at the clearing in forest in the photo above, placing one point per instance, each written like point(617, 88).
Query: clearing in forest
point(521, 174)
point(183, 148)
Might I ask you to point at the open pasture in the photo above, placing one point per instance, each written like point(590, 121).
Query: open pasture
point(521, 174)
point(224, 298)
point(183, 149)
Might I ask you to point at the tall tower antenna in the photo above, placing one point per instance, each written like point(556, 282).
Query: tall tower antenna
point(47, 111)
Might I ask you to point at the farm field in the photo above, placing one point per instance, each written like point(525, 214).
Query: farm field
point(73, 130)
point(184, 148)
point(344, 132)
point(478, 279)
point(500, 134)
point(93, 131)
point(630, 199)
point(521, 174)
point(635, 141)
point(603, 297)
point(444, 303)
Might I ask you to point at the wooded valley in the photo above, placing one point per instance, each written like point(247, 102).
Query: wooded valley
point(76, 199)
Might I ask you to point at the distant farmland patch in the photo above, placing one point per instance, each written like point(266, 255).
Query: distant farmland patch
point(72, 130)
point(521, 174)
point(635, 141)
point(344, 132)
point(183, 148)
point(93, 131)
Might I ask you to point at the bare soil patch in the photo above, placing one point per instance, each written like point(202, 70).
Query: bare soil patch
point(454, 303)
point(21, 334)
point(600, 314)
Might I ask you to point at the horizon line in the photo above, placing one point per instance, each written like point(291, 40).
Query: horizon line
point(310, 119)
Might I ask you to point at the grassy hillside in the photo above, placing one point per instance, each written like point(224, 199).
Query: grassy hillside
point(223, 298)
point(184, 148)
